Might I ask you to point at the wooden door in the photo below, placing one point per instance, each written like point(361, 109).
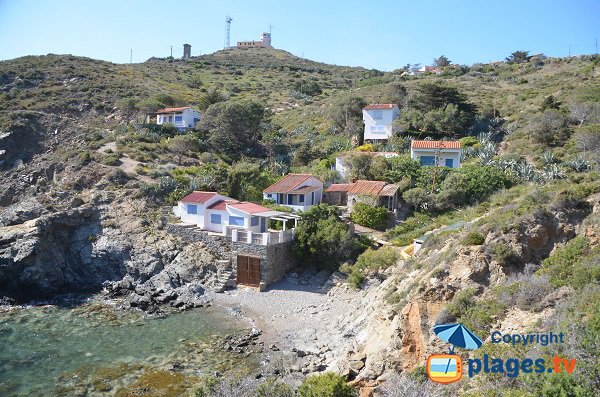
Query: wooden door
point(248, 270)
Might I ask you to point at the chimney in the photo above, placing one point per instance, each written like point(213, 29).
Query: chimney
point(187, 51)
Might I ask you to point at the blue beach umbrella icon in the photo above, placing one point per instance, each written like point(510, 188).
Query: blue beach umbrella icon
point(458, 335)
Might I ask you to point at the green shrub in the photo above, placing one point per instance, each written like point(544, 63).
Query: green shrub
point(473, 238)
point(480, 317)
point(274, 388)
point(369, 216)
point(561, 264)
point(111, 159)
point(381, 258)
point(462, 301)
point(401, 167)
point(323, 238)
point(467, 141)
point(502, 253)
point(325, 385)
point(356, 278)
point(417, 198)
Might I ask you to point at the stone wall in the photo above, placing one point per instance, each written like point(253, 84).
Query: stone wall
point(217, 245)
point(275, 259)
point(336, 198)
point(280, 260)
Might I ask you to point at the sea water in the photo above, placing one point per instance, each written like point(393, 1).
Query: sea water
point(92, 348)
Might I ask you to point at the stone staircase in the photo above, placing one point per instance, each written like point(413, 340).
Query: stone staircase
point(226, 277)
point(218, 246)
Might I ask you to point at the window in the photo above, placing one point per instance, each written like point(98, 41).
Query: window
point(236, 220)
point(313, 198)
point(290, 199)
point(178, 118)
point(301, 198)
point(427, 160)
point(170, 119)
point(449, 163)
point(215, 219)
point(254, 221)
point(377, 115)
point(192, 209)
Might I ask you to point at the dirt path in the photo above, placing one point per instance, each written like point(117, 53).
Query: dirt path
point(128, 164)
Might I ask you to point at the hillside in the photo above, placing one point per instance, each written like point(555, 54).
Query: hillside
point(512, 237)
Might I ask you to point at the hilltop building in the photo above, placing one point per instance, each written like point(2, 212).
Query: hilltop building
point(187, 51)
point(182, 118)
point(378, 119)
point(265, 41)
point(438, 153)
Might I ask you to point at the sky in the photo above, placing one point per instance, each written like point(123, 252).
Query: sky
point(380, 34)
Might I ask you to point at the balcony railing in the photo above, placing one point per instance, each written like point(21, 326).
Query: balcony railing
point(266, 238)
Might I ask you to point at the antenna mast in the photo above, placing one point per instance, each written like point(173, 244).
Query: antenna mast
point(228, 20)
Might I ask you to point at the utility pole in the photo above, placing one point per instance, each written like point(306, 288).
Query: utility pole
point(227, 43)
point(171, 51)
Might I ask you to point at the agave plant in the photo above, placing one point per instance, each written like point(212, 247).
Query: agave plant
point(486, 152)
point(578, 164)
point(549, 158)
point(167, 184)
point(552, 171)
point(468, 152)
point(204, 181)
point(527, 172)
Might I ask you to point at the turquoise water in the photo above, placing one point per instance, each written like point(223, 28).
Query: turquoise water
point(64, 351)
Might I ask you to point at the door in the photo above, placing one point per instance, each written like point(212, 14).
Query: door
point(248, 270)
point(450, 163)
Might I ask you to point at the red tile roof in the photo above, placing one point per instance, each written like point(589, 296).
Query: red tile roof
point(306, 189)
point(220, 205)
point(380, 106)
point(287, 183)
point(198, 197)
point(340, 187)
point(389, 190)
point(249, 208)
point(435, 144)
point(172, 110)
point(371, 188)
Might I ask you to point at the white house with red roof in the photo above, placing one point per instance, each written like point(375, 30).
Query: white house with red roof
point(298, 191)
point(436, 153)
point(378, 119)
point(213, 212)
point(182, 118)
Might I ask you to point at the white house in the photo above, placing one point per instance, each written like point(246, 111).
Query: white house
point(298, 191)
point(239, 220)
point(214, 212)
point(378, 119)
point(438, 153)
point(182, 118)
point(340, 165)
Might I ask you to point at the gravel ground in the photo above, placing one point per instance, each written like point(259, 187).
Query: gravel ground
point(305, 312)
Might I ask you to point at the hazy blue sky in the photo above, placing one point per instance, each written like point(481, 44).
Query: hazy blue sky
point(380, 34)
